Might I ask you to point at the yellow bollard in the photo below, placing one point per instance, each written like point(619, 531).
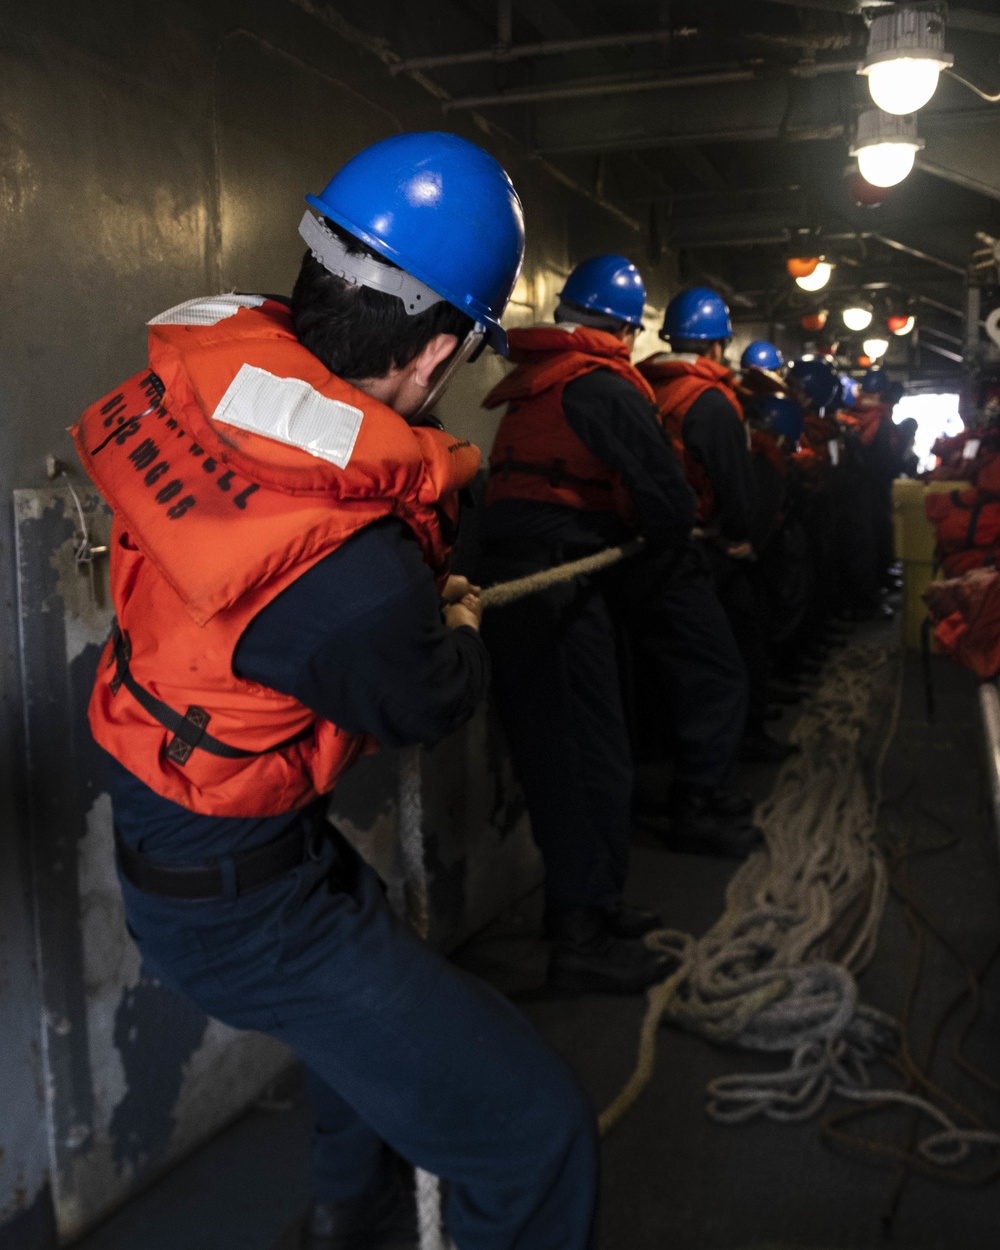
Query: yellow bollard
point(915, 539)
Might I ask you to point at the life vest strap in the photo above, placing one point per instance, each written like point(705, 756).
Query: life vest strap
point(555, 472)
point(190, 730)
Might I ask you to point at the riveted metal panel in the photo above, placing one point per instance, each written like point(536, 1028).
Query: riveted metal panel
point(134, 1075)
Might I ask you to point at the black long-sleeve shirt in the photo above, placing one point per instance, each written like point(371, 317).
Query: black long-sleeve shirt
point(715, 436)
point(618, 425)
point(360, 639)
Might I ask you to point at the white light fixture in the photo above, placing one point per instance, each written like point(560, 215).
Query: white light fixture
point(905, 58)
point(818, 279)
point(902, 326)
point(875, 349)
point(857, 316)
point(886, 147)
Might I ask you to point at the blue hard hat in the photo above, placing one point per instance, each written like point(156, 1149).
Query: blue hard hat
point(780, 415)
point(819, 379)
point(849, 388)
point(607, 284)
point(761, 355)
point(441, 209)
point(875, 381)
point(697, 313)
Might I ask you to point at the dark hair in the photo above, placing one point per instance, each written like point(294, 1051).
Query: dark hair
point(568, 311)
point(692, 347)
point(358, 332)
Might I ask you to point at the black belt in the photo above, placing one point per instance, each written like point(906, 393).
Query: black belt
point(253, 869)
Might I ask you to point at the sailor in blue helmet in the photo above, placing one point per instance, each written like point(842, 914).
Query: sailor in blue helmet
point(875, 381)
point(702, 414)
point(849, 388)
point(760, 354)
point(879, 456)
point(338, 628)
point(579, 464)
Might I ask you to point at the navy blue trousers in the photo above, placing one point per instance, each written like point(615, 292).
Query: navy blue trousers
point(401, 1048)
point(556, 687)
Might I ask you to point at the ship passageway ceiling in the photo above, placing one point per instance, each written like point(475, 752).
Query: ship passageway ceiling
point(720, 129)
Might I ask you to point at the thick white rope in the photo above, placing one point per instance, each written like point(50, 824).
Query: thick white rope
point(509, 592)
point(411, 840)
point(777, 971)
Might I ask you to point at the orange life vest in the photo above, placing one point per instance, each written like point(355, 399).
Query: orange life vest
point(213, 518)
point(764, 444)
point(970, 456)
point(819, 433)
point(536, 455)
point(968, 529)
point(676, 385)
point(867, 417)
point(966, 616)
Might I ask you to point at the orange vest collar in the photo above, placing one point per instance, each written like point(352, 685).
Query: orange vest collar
point(549, 356)
point(220, 509)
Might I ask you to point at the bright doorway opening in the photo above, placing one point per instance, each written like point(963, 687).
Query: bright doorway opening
point(936, 417)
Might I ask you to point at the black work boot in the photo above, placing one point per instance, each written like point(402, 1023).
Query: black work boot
point(622, 920)
point(586, 958)
point(693, 825)
point(383, 1217)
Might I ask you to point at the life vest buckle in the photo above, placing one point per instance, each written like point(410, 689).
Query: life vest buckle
point(189, 734)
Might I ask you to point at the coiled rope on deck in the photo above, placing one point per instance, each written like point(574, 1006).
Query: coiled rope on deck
point(776, 972)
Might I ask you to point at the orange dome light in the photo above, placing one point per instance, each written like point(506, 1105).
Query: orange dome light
point(864, 361)
point(802, 266)
point(815, 321)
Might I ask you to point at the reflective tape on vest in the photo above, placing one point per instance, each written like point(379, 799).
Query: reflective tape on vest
point(292, 412)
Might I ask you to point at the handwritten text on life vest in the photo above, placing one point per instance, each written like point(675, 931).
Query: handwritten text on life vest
point(148, 457)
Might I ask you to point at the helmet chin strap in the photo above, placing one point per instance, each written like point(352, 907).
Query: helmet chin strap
point(465, 351)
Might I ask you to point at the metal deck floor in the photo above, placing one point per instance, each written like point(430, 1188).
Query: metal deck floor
point(672, 1178)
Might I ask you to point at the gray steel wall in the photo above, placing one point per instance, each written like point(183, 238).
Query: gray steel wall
point(149, 153)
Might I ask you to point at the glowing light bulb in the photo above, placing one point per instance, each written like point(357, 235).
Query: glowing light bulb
point(875, 349)
point(902, 325)
point(818, 279)
point(857, 317)
point(903, 85)
point(885, 164)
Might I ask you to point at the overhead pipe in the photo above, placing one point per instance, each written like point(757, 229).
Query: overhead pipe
point(378, 48)
point(959, 179)
point(839, 237)
point(636, 143)
point(915, 252)
point(942, 351)
point(554, 47)
point(936, 303)
point(941, 334)
point(938, 122)
point(629, 86)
